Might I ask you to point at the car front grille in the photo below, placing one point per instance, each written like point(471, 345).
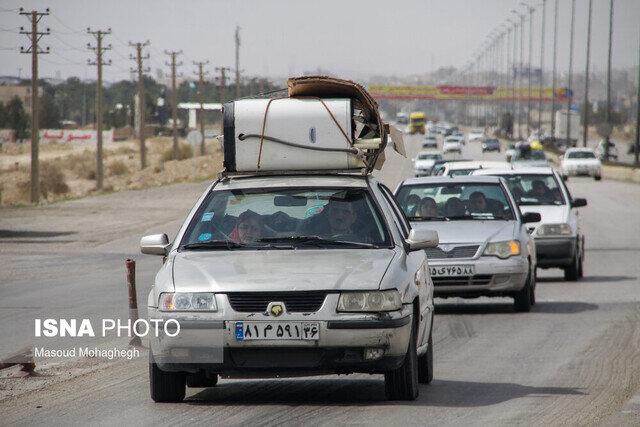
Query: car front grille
point(295, 302)
point(476, 280)
point(456, 252)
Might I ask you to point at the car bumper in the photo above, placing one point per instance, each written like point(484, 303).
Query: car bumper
point(555, 251)
point(583, 171)
point(492, 277)
point(208, 342)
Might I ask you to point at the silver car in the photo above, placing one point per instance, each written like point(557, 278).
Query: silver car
point(485, 248)
point(274, 276)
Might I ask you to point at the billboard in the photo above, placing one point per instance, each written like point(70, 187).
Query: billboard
point(74, 135)
point(464, 93)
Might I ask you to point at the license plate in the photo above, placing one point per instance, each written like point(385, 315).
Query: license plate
point(452, 270)
point(247, 331)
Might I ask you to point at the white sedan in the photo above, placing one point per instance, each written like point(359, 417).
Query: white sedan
point(581, 162)
point(452, 143)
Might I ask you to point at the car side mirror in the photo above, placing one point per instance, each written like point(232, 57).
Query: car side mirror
point(155, 244)
point(422, 239)
point(531, 217)
point(578, 203)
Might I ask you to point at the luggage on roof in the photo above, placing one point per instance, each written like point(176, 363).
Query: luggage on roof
point(323, 124)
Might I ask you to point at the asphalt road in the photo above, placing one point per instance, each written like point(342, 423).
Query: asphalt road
point(574, 359)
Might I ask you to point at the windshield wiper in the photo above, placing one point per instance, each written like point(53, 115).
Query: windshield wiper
point(455, 217)
point(430, 218)
point(214, 244)
point(316, 241)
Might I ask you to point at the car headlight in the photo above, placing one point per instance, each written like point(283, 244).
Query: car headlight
point(187, 301)
point(502, 250)
point(370, 301)
point(553, 230)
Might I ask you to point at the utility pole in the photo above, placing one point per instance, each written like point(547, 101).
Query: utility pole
point(261, 85)
point(141, 102)
point(174, 99)
point(223, 83)
point(252, 86)
point(237, 62)
point(553, 72)
point(585, 131)
point(201, 75)
point(99, 49)
point(34, 50)
point(608, 107)
point(569, 88)
point(637, 147)
point(544, 15)
point(530, 10)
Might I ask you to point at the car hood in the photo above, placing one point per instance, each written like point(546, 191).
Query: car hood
point(550, 214)
point(469, 231)
point(280, 270)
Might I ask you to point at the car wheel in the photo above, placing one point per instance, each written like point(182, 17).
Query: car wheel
point(597, 177)
point(522, 298)
point(532, 286)
point(165, 386)
point(402, 383)
point(425, 363)
point(572, 271)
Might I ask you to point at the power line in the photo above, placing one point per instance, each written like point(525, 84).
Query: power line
point(73, 30)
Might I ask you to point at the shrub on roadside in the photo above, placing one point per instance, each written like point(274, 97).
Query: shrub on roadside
point(184, 152)
point(52, 179)
point(118, 167)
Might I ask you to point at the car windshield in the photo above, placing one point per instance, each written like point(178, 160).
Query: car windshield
point(530, 155)
point(277, 218)
point(460, 172)
point(429, 156)
point(491, 141)
point(532, 189)
point(460, 201)
point(581, 155)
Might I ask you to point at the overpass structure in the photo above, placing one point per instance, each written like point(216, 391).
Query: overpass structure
point(467, 93)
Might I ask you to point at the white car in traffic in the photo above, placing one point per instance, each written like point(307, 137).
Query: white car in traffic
point(476, 135)
point(452, 144)
point(424, 162)
point(581, 162)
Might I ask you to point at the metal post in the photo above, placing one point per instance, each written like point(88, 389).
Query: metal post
point(541, 83)
point(553, 73)
point(569, 87)
point(637, 145)
point(585, 131)
point(133, 300)
point(530, 10)
point(608, 106)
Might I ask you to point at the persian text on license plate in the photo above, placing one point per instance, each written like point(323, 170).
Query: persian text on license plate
point(452, 270)
point(246, 331)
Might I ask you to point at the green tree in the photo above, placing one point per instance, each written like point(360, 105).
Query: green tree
point(18, 119)
point(49, 117)
point(3, 116)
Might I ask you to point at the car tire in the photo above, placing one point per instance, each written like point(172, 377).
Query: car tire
point(402, 383)
point(425, 364)
point(572, 271)
point(597, 177)
point(532, 286)
point(165, 386)
point(522, 298)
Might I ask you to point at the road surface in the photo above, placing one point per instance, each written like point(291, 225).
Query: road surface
point(574, 359)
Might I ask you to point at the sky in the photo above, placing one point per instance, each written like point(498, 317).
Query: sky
point(352, 39)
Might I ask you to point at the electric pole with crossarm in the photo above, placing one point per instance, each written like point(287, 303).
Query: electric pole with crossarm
point(174, 99)
point(99, 49)
point(34, 50)
point(141, 104)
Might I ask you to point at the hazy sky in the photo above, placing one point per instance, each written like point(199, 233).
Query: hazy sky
point(353, 39)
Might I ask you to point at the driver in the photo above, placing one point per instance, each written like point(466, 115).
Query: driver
point(477, 202)
point(340, 216)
